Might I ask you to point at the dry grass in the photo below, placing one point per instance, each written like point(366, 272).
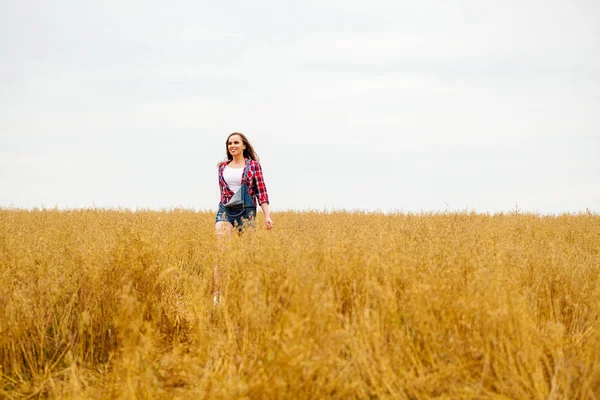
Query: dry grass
point(118, 304)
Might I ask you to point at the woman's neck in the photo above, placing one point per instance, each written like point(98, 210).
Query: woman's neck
point(238, 159)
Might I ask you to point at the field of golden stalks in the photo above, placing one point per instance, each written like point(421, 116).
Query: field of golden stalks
point(118, 304)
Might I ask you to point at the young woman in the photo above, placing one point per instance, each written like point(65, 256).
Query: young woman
point(241, 163)
point(241, 167)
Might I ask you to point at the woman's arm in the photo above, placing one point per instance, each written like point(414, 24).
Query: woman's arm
point(259, 181)
point(261, 194)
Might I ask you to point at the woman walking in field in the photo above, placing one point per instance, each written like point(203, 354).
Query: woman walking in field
point(241, 168)
point(241, 182)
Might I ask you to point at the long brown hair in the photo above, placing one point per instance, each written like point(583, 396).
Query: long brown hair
point(248, 151)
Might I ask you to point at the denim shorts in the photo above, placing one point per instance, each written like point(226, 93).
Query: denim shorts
point(245, 218)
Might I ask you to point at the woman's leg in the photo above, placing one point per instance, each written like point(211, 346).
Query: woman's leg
point(224, 231)
point(223, 228)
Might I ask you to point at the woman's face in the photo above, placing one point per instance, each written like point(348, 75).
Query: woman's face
point(235, 145)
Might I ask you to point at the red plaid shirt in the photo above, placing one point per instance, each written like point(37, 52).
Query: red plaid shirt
point(255, 182)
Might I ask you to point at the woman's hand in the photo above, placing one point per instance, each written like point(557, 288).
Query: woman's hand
point(265, 209)
point(269, 222)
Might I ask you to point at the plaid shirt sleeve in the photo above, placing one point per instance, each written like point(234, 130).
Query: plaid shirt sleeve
point(259, 183)
point(226, 193)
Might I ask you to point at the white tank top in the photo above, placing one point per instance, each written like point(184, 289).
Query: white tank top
point(233, 177)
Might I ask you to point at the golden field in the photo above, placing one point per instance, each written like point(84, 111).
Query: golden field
point(118, 304)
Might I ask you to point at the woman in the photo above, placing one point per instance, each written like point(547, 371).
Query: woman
point(241, 167)
point(241, 162)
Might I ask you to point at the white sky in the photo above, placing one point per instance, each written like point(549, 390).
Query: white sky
point(378, 105)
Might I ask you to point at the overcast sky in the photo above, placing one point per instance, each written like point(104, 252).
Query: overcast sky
point(371, 105)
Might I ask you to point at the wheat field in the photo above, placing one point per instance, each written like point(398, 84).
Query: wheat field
point(118, 304)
